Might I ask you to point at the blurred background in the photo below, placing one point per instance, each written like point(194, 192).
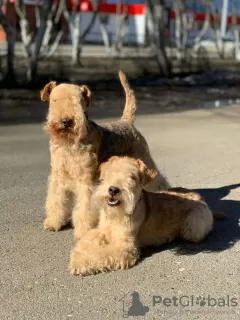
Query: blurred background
point(173, 45)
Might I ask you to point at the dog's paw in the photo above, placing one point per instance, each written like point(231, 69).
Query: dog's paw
point(79, 266)
point(78, 270)
point(52, 224)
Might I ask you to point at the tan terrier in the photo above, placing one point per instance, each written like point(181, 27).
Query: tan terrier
point(131, 218)
point(78, 145)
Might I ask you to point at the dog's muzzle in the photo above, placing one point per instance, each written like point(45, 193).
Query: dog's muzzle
point(112, 193)
point(67, 122)
point(112, 202)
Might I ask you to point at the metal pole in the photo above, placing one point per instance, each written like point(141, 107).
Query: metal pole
point(224, 18)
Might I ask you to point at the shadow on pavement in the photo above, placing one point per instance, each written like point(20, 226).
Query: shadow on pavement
point(225, 232)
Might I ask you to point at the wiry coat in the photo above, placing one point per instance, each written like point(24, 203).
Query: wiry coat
point(131, 218)
point(78, 145)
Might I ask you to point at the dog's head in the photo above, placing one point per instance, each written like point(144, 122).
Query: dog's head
point(121, 182)
point(68, 106)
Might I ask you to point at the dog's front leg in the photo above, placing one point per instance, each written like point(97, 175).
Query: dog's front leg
point(93, 254)
point(58, 204)
point(83, 219)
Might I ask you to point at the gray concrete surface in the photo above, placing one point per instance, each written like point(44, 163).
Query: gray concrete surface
point(196, 149)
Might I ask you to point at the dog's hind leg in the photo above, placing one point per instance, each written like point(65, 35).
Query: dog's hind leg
point(58, 205)
point(197, 224)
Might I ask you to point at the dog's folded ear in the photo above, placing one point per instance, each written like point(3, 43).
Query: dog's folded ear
point(87, 95)
point(46, 91)
point(147, 174)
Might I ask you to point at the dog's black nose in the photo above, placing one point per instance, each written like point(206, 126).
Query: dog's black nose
point(67, 122)
point(113, 191)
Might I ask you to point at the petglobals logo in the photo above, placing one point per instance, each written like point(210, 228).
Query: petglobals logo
point(195, 301)
point(132, 306)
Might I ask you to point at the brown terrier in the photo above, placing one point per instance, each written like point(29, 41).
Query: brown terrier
point(131, 218)
point(78, 145)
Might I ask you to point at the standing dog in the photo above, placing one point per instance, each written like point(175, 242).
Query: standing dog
point(78, 145)
point(131, 218)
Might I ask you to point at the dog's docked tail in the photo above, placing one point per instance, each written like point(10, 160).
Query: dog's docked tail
point(130, 106)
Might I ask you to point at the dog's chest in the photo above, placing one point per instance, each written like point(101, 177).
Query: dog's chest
point(74, 164)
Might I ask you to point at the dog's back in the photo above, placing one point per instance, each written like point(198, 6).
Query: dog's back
point(118, 138)
point(172, 214)
point(121, 138)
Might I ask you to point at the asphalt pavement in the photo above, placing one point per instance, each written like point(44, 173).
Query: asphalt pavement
point(196, 149)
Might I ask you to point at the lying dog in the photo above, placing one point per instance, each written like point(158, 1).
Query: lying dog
point(78, 145)
point(131, 218)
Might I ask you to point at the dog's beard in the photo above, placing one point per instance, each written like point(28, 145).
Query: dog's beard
point(78, 131)
point(125, 201)
point(58, 131)
point(120, 201)
point(81, 127)
point(129, 201)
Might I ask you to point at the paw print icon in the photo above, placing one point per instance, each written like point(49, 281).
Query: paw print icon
point(201, 301)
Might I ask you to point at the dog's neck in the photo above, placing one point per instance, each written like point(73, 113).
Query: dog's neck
point(143, 206)
point(124, 225)
point(121, 224)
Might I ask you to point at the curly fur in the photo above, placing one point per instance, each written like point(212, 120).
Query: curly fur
point(137, 219)
point(78, 149)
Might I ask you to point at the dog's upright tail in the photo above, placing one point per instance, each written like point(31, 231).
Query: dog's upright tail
point(217, 215)
point(130, 105)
